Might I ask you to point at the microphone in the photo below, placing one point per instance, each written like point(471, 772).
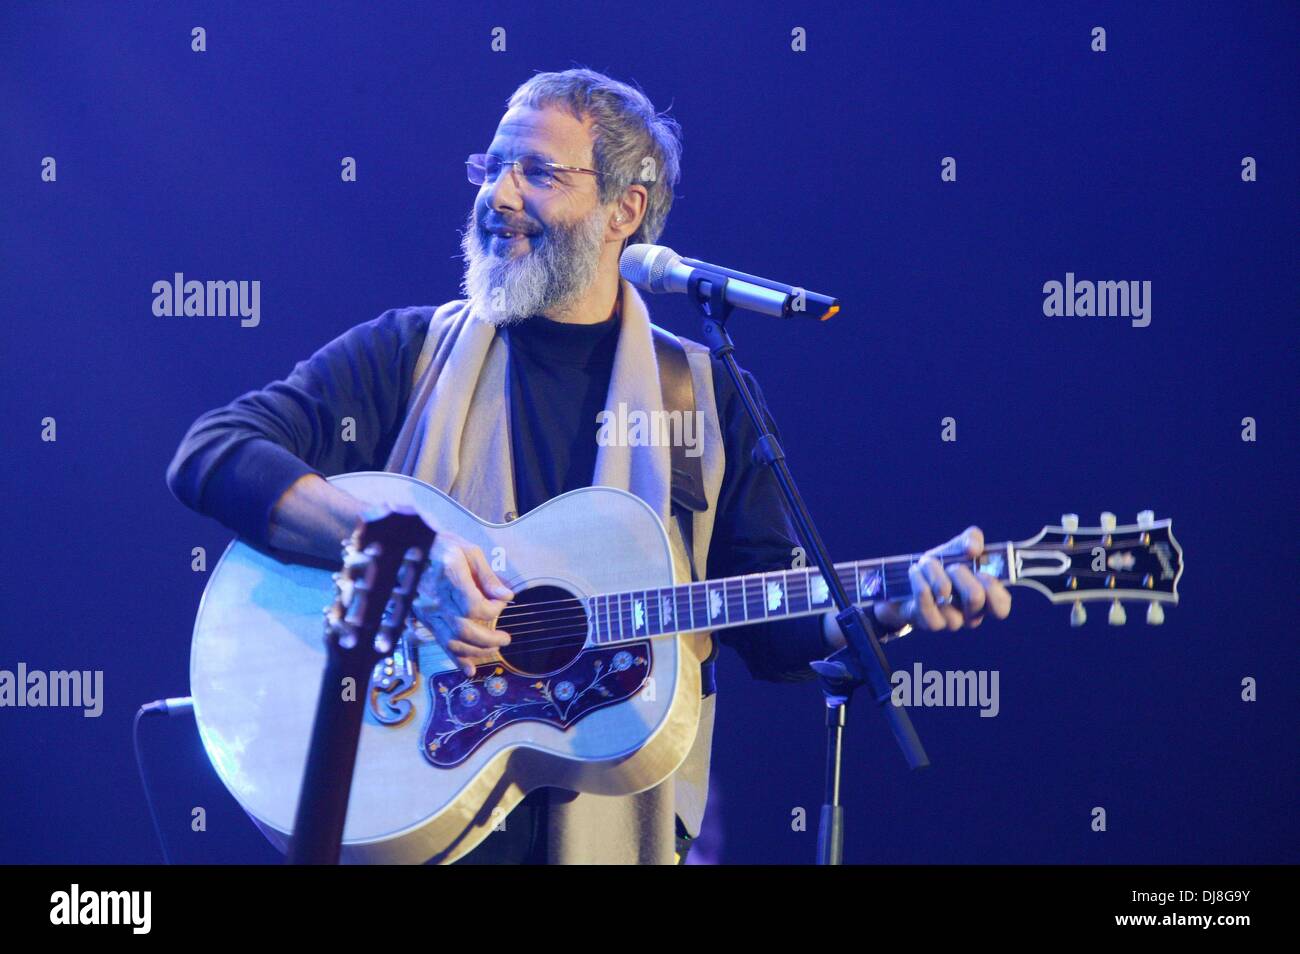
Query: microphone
point(658, 269)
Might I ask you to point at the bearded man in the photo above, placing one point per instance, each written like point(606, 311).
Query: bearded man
point(496, 398)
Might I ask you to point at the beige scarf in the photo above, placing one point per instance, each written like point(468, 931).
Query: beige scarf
point(457, 437)
point(466, 417)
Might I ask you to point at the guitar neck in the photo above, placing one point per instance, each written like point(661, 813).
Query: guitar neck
point(757, 597)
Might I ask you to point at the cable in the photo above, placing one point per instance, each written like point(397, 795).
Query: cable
point(168, 707)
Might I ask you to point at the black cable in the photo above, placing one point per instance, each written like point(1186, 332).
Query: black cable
point(144, 781)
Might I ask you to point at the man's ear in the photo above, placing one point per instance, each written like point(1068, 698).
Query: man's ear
point(629, 210)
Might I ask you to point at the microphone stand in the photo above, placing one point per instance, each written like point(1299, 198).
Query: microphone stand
point(862, 661)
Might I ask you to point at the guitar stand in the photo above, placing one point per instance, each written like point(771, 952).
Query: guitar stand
point(860, 662)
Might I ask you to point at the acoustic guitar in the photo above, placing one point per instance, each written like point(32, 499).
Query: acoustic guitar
point(599, 689)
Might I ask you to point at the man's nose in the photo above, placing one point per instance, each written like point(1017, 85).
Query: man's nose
point(504, 193)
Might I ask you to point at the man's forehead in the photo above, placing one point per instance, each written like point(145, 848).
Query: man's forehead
point(549, 130)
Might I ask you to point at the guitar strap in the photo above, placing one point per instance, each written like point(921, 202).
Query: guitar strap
point(687, 472)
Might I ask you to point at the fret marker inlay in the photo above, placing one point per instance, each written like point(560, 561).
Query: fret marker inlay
point(715, 603)
point(820, 591)
point(775, 594)
point(869, 585)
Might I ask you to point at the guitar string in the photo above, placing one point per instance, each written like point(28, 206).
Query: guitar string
point(902, 564)
point(900, 569)
point(843, 571)
point(795, 590)
point(796, 587)
point(556, 638)
point(571, 637)
point(564, 637)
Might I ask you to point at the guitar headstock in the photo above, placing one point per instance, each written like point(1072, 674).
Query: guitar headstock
point(382, 563)
point(1072, 564)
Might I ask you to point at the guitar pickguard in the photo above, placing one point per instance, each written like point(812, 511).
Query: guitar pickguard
point(465, 711)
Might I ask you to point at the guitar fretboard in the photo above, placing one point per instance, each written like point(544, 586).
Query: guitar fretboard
point(755, 597)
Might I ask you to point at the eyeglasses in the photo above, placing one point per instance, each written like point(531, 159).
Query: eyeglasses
point(485, 168)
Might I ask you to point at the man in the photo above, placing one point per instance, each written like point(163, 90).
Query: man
point(495, 399)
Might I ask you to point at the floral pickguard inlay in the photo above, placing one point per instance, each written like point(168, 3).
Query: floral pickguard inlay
point(467, 710)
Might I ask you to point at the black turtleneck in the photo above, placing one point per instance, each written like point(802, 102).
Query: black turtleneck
point(559, 379)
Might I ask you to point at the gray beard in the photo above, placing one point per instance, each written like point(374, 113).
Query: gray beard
point(553, 274)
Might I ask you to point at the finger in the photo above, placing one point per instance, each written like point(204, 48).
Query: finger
point(486, 577)
point(466, 593)
point(892, 615)
point(924, 612)
point(999, 599)
point(940, 584)
point(467, 651)
point(478, 634)
point(971, 589)
point(941, 587)
point(452, 647)
point(425, 605)
point(469, 658)
point(441, 630)
point(975, 622)
point(953, 548)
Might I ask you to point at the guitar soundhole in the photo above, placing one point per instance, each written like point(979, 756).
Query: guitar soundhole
point(547, 627)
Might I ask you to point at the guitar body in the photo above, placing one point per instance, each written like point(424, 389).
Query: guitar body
point(443, 757)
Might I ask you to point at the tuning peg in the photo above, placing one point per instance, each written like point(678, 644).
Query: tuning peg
point(1117, 615)
point(1070, 522)
point(1146, 519)
point(1155, 614)
point(1107, 520)
point(1078, 615)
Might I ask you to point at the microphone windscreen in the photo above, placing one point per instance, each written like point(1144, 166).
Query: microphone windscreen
point(644, 265)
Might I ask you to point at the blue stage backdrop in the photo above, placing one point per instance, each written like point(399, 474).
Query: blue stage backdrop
point(933, 165)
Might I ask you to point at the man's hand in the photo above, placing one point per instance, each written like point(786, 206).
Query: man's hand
point(946, 597)
point(459, 599)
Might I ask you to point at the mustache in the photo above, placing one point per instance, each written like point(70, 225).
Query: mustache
point(519, 228)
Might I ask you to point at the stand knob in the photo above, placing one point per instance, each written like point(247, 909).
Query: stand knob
point(1155, 614)
point(1146, 519)
point(1070, 522)
point(1117, 615)
point(1107, 520)
point(1078, 615)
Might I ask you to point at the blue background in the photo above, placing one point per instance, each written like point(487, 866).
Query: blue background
point(820, 168)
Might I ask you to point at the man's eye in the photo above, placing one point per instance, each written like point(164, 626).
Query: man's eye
point(537, 171)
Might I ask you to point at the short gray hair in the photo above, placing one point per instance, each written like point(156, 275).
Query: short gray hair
point(632, 143)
